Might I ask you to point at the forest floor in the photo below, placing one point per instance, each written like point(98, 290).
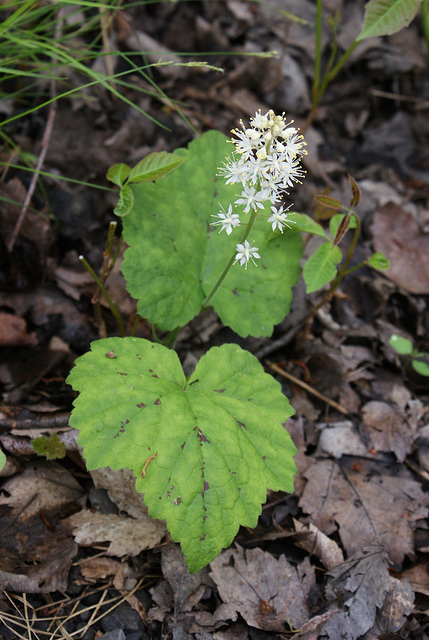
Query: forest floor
point(345, 556)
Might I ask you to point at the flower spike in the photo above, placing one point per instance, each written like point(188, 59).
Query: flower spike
point(266, 162)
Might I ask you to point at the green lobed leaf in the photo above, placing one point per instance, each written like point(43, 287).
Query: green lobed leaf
point(321, 267)
point(49, 447)
point(379, 261)
point(2, 460)
point(252, 301)
point(154, 166)
point(384, 17)
point(203, 451)
point(118, 173)
point(125, 202)
point(402, 345)
point(175, 255)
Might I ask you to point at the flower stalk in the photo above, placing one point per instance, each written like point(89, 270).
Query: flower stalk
point(266, 162)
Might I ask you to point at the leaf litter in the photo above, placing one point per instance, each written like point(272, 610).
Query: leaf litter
point(346, 556)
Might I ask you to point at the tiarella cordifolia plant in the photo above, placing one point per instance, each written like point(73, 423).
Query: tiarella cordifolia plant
point(205, 448)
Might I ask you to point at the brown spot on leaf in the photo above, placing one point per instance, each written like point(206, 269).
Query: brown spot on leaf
point(157, 402)
point(141, 405)
point(241, 424)
point(203, 537)
point(206, 488)
point(111, 354)
point(219, 390)
point(202, 438)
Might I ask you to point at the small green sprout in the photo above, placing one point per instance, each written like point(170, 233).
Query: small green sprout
point(419, 359)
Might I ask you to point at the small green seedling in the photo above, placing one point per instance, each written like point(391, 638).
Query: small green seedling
point(419, 359)
point(51, 447)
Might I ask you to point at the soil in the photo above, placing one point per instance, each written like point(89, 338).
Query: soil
point(361, 424)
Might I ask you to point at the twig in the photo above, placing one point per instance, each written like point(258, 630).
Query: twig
point(307, 387)
point(46, 422)
point(45, 144)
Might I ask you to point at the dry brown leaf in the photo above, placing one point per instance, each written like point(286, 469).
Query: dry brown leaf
point(127, 536)
point(398, 604)
point(36, 546)
point(270, 594)
point(13, 331)
point(418, 576)
point(94, 569)
point(372, 601)
point(187, 588)
point(397, 234)
point(340, 439)
point(42, 486)
point(363, 506)
point(120, 485)
point(316, 543)
point(388, 429)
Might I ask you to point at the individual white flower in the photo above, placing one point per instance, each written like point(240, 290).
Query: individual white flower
point(279, 219)
point(244, 144)
point(251, 198)
point(228, 220)
point(246, 252)
point(271, 185)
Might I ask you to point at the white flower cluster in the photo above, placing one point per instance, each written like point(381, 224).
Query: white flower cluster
point(266, 162)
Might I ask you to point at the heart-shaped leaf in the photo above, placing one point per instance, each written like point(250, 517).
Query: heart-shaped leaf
point(203, 450)
point(175, 256)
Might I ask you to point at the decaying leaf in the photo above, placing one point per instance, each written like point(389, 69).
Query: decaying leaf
point(340, 439)
point(120, 486)
point(397, 234)
point(388, 429)
point(324, 548)
point(361, 582)
point(36, 546)
point(362, 506)
point(13, 331)
point(127, 536)
point(398, 603)
point(372, 600)
point(270, 594)
point(188, 588)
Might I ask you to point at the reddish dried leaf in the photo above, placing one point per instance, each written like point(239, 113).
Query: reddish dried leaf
point(13, 331)
point(397, 234)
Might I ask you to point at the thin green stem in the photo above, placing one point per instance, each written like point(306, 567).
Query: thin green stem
point(229, 263)
point(343, 271)
point(318, 54)
point(112, 305)
point(330, 75)
point(171, 338)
